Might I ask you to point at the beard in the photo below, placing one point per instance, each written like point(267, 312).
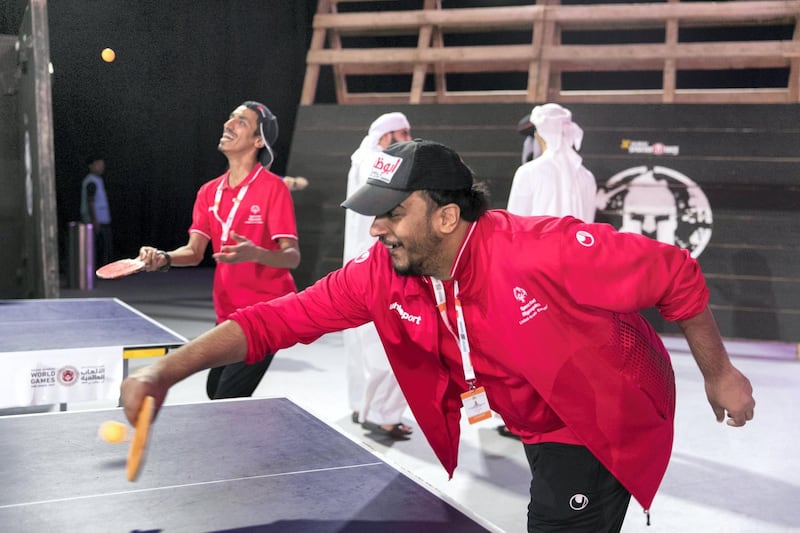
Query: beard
point(423, 256)
point(411, 269)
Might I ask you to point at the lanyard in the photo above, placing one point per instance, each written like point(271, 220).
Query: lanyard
point(227, 223)
point(461, 337)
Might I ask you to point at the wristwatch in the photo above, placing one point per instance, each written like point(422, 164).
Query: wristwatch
point(168, 261)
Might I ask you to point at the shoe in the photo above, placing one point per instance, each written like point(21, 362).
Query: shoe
point(354, 417)
point(504, 432)
point(398, 431)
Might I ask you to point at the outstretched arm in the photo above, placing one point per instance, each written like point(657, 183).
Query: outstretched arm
point(190, 254)
point(219, 346)
point(727, 389)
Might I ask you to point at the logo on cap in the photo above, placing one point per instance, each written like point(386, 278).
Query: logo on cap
point(384, 168)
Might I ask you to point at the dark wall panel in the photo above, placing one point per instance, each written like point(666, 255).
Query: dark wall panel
point(13, 282)
point(744, 158)
point(156, 112)
point(29, 267)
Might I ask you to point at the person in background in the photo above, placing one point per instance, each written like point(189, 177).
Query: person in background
point(553, 181)
point(556, 183)
point(530, 147)
point(95, 209)
point(295, 183)
point(247, 216)
point(376, 401)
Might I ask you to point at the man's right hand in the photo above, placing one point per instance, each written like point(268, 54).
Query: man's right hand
point(221, 345)
point(152, 259)
point(134, 390)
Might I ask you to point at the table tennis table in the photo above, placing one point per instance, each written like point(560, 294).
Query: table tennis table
point(244, 465)
point(43, 340)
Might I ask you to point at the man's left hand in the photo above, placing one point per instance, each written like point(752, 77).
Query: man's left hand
point(243, 250)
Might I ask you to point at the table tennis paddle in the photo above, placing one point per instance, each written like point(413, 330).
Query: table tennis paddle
point(139, 440)
point(120, 268)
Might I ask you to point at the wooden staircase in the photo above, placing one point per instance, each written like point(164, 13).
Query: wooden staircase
point(654, 49)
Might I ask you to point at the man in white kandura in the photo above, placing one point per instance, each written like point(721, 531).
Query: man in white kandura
point(556, 183)
point(375, 398)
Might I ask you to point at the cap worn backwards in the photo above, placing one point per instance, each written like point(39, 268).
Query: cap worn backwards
point(525, 127)
point(406, 167)
point(268, 128)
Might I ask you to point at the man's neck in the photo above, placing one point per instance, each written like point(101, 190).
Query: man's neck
point(451, 246)
point(239, 169)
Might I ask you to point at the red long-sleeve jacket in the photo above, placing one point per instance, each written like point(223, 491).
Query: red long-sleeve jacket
point(551, 300)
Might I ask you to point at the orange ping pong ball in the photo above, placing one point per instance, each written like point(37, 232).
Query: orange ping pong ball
point(108, 55)
point(113, 432)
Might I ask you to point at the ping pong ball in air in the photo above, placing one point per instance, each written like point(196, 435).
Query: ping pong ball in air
point(108, 55)
point(113, 432)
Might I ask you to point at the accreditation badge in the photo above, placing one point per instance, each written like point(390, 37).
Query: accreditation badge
point(476, 405)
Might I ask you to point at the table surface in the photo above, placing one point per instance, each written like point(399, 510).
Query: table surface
point(49, 324)
point(242, 465)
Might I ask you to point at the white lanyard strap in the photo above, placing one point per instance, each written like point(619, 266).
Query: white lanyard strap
point(227, 223)
point(461, 337)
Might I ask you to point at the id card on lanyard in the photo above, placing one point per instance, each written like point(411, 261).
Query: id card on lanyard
point(228, 222)
point(475, 401)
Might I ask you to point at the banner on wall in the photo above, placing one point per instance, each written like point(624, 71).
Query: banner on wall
point(657, 201)
point(42, 377)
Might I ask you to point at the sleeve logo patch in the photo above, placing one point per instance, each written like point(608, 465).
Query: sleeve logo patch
point(585, 238)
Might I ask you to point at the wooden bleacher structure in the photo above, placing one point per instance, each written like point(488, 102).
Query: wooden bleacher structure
point(738, 142)
point(546, 57)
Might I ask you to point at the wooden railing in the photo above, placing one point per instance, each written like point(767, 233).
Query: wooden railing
point(544, 58)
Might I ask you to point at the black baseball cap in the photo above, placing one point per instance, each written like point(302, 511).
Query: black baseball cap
point(403, 168)
point(267, 123)
point(525, 127)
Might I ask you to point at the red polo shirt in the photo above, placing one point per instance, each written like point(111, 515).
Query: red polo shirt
point(264, 215)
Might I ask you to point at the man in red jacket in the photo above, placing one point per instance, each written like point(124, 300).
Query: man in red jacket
point(535, 318)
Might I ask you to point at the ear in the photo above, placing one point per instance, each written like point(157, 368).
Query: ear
point(259, 142)
point(447, 218)
point(540, 140)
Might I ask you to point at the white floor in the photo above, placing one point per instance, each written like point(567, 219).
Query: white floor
point(721, 479)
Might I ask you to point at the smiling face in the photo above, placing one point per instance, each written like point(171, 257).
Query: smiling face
point(240, 133)
point(413, 235)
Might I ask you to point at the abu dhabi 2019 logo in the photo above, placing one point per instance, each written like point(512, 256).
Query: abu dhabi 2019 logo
point(660, 203)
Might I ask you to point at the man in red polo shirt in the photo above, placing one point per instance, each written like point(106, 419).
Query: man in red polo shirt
point(248, 217)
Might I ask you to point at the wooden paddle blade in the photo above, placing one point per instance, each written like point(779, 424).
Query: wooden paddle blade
point(120, 268)
point(139, 441)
